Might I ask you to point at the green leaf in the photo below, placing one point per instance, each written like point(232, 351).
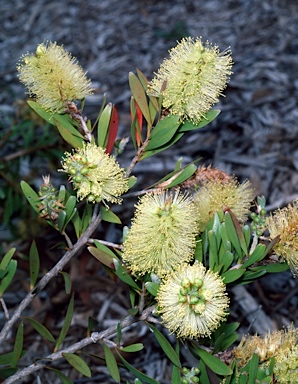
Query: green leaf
point(103, 125)
point(174, 140)
point(138, 374)
point(163, 132)
point(123, 275)
point(71, 139)
point(232, 275)
point(62, 193)
point(6, 280)
point(204, 378)
point(182, 175)
point(133, 348)
point(253, 369)
point(209, 116)
point(111, 363)
point(30, 195)
point(6, 258)
point(7, 372)
point(119, 332)
point(213, 256)
point(62, 377)
point(139, 95)
point(166, 346)
point(34, 264)
point(226, 261)
point(77, 223)
point(276, 268)
point(258, 254)
point(70, 209)
point(66, 324)
point(152, 288)
point(78, 363)
point(102, 256)
point(41, 329)
point(109, 216)
point(232, 234)
point(214, 363)
point(104, 248)
point(61, 220)
point(18, 346)
point(67, 281)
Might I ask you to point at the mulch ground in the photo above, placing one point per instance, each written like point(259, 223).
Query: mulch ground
point(255, 137)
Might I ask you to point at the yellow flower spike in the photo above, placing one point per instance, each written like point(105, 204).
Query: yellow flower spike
point(95, 175)
point(53, 77)
point(284, 223)
point(162, 235)
point(213, 195)
point(282, 345)
point(188, 320)
point(192, 79)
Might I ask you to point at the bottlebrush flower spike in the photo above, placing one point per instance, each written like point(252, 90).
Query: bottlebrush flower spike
point(192, 79)
point(53, 77)
point(281, 345)
point(284, 223)
point(215, 194)
point(192, 301)
point(162, 235)
point(95, 175)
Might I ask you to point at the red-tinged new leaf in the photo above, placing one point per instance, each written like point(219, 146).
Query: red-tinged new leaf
point(139, 95)
point(140, 124)
point(113, 130)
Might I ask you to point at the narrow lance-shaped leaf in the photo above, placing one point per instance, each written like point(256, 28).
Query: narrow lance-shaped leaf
point(67, 281)
point(41, 329)
point(103, 125)
point(113, 130)
point(61, 376)
point(139, 95)
point(6, 280)
point(123, 275)
point(34, 264)
point(30, 195)
point(133, 348)
point(66, 324)
point(6, 258)
point(232, 234)
point(209, 116)
point(71, 139)
point(214, 363)
point(163, 132)
point(18, 345)
point(144, 378)
point(78, 363)
point(166, 346)
point(111, 363)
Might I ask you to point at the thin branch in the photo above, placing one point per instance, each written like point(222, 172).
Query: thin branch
point(6, 313)
point(48, 276)
point(137, 158)
point(95, 337)
point(107, 243)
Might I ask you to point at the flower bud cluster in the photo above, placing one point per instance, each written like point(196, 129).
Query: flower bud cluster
point(95, 175)
point(189, 376)
point(49, 206)
point(258, 224)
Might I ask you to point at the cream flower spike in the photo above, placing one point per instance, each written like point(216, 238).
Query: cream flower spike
point(53, 77)
point(95, 175)
point(162, 235)
point(192, 79)
point(192, 301)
